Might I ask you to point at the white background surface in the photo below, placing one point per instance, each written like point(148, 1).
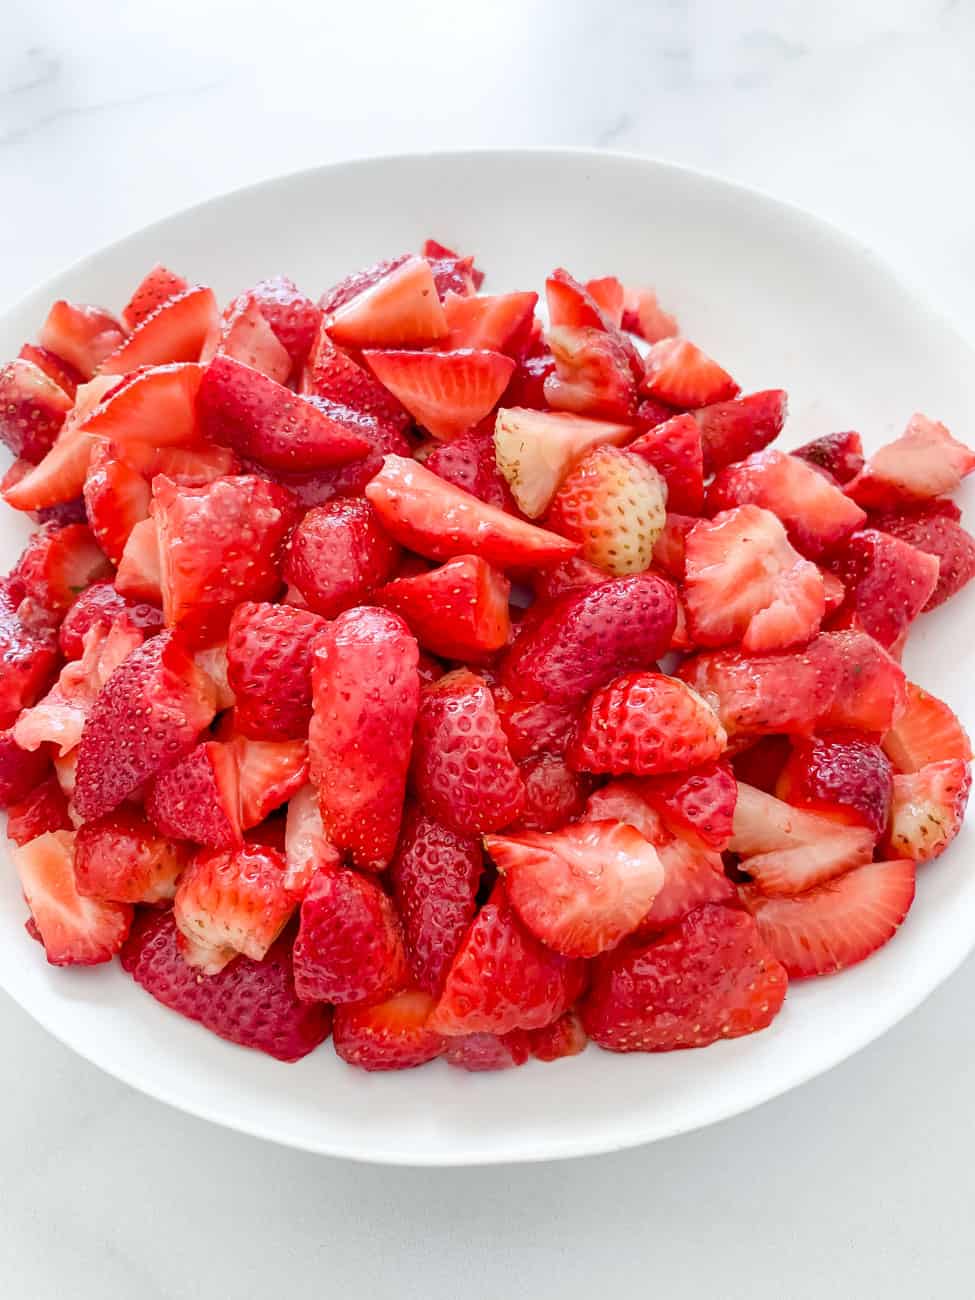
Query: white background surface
point(111, 115)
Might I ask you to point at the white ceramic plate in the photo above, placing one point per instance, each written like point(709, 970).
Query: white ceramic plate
point(781, 299)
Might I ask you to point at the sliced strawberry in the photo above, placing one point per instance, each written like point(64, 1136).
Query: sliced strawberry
point(572, 575)
point(56, 566)
point(329, 373)
point(925, 461)
point(62, 372)
point(458, 611)
point(571, 304)
point(269, 649)
point(83, 336)
point(452, 276)
point(188, 466)
point(675, 450)
point(481, 1052)
point(42, 810)
point(292, 315)
point(526, 388)
point(123, 858)
point(582, 889)
point(593, 373)
point(20, 771)
point(607, 293)
point(400, 307)
point(841, 775)
point(928, 731)
point(733, 430)
point(888, 582)
point(434, 251)
point(840, 454)
point(100, 604)
point(463, 771)
point(55, 480)
point(643, 315)
point(679, 373)
point(392, 1035)
point(446, 392)
point(243, 334)
point(350, 944)
point(670, 548)
point(928, 808)
point(219, 544)
point(700, 802)
point(554, 793)
point(157, 287)
point(234, 899)
point(942, 537)
point(536, 449)
point(175, 331)
point(269, 772)
point(139, 576)
point(250, 1003)
point(305, 846)
point(468, 461)
point(116, 499)
point(535, 726)
point(614, 504)
point(198, 798)
point(338, 555)
point(710, 977)
point(32, 409)
point(436, 519)
point(157, 407)
point(499, 324)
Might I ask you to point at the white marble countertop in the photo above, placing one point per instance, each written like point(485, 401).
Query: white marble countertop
point(112, 115)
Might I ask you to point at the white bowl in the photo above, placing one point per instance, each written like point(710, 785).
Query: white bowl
point(781, 299)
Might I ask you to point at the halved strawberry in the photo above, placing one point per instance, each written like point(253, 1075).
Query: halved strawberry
point(927, 809)
point(198, 799)
point(20, 771)
point(481, 1052)
point(339, 555)
point(643, 315)
point(446, 392)
point(32, 409)
point(429, 515)
point(305, 846)
point(243, 334)
point(269, 649)
point(679, 373)
point(710, 977)
point(175, 331)
point(593, 373)
point(400, 307)
point(644, 723)
point(888, 582)
point(743, 581)
point(57, 564)
point(292, 315)
point(731, 431)
point(607, 293)
point(536, 449)
point(62, 372)
point(554, 793)
point(458, 611)
point(116, 499)
point(841, 775)
point(157, 286)
point(614, 503)
point(43, 809)
point(235, 898)
point(940, 536)
point(840, 454)
point(123, 858)
point(392, 1035)
point(675, 450)
point(139, 576)
point(82, 335)
point(582, 889)
point(499, 324)
point(157, 407)
point(699, 803)
point(269, 772)
point(925, 461)
point(928, 731)
point(329, 373)
point(350, 943)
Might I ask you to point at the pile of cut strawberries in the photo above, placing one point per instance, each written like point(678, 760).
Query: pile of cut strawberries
point(395, 667)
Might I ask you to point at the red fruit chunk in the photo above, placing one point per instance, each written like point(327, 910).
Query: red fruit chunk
point(338, 556)
point(293, 317)
point(234, 899)
point(837, 924)
point(572, 575)
point(593, 375)
point(679, 373)
point(305, 846)
point(607, 293)
point(157, 287)
point(928, 731)
point(842, 776)
point(32, 409)
point(588, 638)
point(940, 536)
point(536, 449)
point(526, 388)
point(462, 768)
point(481, 1052)
point(435, 875)
point(446, 392)
point(146, 717)
point(731, 431)
point(100, 604)
point(670, 548)
point(645, 723)
point(440, 521)
point(157, 407)
point(711, 977)
point(218, 545)
point(352, 285)
point(269, 772)
point(468, 461)
point(44, 809)
point(498, 324)
point(700, 802)
point(28, 659)
point(570, 303)
point(243, 334)
point(391, 1036)
point(198, 798)
point(21, 771)
point(56, 565)
point(554, 793)
point(927, 809)
point(459, 611)
point(434, 251)
point(329, 373)
point(250, 1003)
point(452, 276)
point(888, 582)
point(675, 450)
point(840, 454)
point(870, 694)
point(398, 307)
point(139, 576)
point(116, 499)
point(55, 367)
point(175, 331)
point(269, 669)
point(83, 336)
point(760, 764)
point(535, 726)
point(643, 315)
point(123, 858)
point(503, 978)
point(925, 461)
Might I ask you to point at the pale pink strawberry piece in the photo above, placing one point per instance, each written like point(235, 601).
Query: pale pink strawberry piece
point(32, 409)
point(675, 450)
point(642, 314)
point(156, 287)
point(927, 809)
point(390, 1035)
point(928, 731)
point(924, 462)
point(339, 555)
point(81, 335)
point(175, 331)
point(305, 846)
point(139, 576)
point(478, 1053)
point(399, 308)
point(123, 858)
point(198, 799)
point(234, 898)
point(536, 449)
point(679, 373)
point(593, 373)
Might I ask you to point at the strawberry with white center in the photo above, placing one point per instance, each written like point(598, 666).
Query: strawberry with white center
point(81, 335)
point(924, 462)
point(679, 373)
point(445, 392)
point(927, 809)
point(175, 331)
point(458, 611)
point(121, 857)
point(235, 898)
point(928, 731)
point(398, 308)
point(593, 373)
point(32, 409)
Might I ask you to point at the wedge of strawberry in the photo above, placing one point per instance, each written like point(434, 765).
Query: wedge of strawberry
point(175, 331)
point(593, 373)
point(468, 461)
point(305, 846)
point(188, 466)
point(399, 307)
point(674, 448)
point(198, 798)
point(123, 858)
point(458, 611)
point(582, 889)
point(20, 771)
point(329, 373)
point(445, 392)
point(478, 1053)
point(733, 430)
point(434, 251)
point(840, 454)
point(554, 793)
point(269, 772)
point(571, 304)
point(56, 565)
point(642, 314)
point(156, 287)
point(291, 314)
point(235, 898)
point(526, 388)
point(927, 809)
point(888, 582)
point(841, 775)
point(243, 334)
point(116, 499)
point(427, 514)
point(680, 374)
point(156, 406)
point(28, 659)
point(56, 368)
point(463, 771)
point(81, 335)
point(928, 731)
point(339, 555)
point(504, 979)
point(499, 324)
point(42, 810)
point(139, 576)
point(712, 976)
point(940, 536)
point(670, 548)
point(608, 295)
point(391, 1035)
point(924, 462)
point(269, 652)
point(32, 409)
point(537, 449)
point(699, 804)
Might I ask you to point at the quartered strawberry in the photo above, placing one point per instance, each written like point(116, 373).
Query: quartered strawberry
point(427, 514)
point(62, 372)
point(838, 924)
point(924, 462)
point(338, 555)
point(535, 726)
point(535, 450)
point(305, 846)
point(250, 1003)
point(198, 798)
point(269, 650)
point(329, 373)
point(587, 638)
point(146, 717)
point(102, 604)
point(452, 276)
point(500, 323)
point(401, 307)
point(503, 978)
point(235, 898)
point(840, 454)
point(744, 581)
point(366, 693)
point(446, 392)
point(219, 544)
point(593, 373)
point(643, 315)
point(243, 334)
point(435, 874)
point(554, 793)
point(434, 251)
point(710, 977)
point(116, 499)
point(581, 889)
point(139, 576)
point(350, 286)
point(734, 430)
point(157, 286)
point(43, 809)
point(841, 775)
point(927, 809)
point(175, 331)
point(468, 461)
point(156, 406)
point(82, 335)
point(570, 303)
point(458, 611)
point(123, 858)
point(28, 659)
point(269, 773)
point(57, 564)
point(390, 1035)
point(608, 295)
point(463, 771)
point(350, 942)
point(32, 409)
point(20, 771)
point(888, 582)
point(928, 731)
point(675, 450)
point(940, 536)
point(614, 504)
point(482, 1052)
point(292, 315)
point(699, 803)
point(679, 373)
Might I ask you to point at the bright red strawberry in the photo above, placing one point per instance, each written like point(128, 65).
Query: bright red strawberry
point(57, 564)
point(28, 659)
point(338, 556)
point(700, 802)
point(925, 461)
point(434, 251)
point(670, 548)
point(329, 373)
point(123, 858)
point(593, 373)
point(710, 977)
point(643, 724)
point(102, 604)
point(21, 771)
point(462, 768)
point(269, 669)
point(503, 978)
point(157, 287)
point(146, 717)
point(643, 315)
point(563, 1037)
point(888, 582)
point(435, 876)
point(468, 461)
point(250, 1003)
point(940, 536)
point(43, 810)
point(366, 693)
point(392, 1035)
point(269, 772)
point(499, 324)
point(840, 454)
point(928, 731)
point(234, 898)
point(157, 406)
point(351, 286)
point(481, 1052)
point(841, 775)
point(32, 409)
point(536, 449)
point(305, 846)
point(57, 479)
point(62, 372)
point(175, 331)
point(218, 545)
point(837, 924)
point(607, 293)
point(554, 793)
point(570, 303)
point(535, 726)
point(82, 335)
point(436, 519)
point(293, 317)
point(732, 431)
point(675, 450)
point(458, 611)
point(679, 373)
point(243, 334)
point(570, 576)
point(198, 798)
point(116, 499)
point(927, 809)
point(870, 694)
point(350, 943)
point(400, 307)
point(139, 576)
point(446, 392)
point(526, 388)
